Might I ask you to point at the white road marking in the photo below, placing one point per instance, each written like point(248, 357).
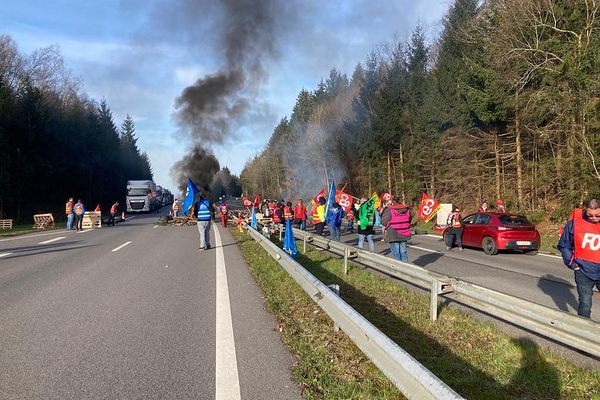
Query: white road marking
point(85, 231)
point(52, 240)
point(227, 384)
point(121, 246)
point(424, 249)
point(549, 255)
point(155, 226)
point(4, 254)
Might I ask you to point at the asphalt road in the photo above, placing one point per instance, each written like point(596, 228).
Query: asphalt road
point(132, 312)
point(541, 278)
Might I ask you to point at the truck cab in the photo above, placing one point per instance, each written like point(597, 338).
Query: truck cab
point(141, 196)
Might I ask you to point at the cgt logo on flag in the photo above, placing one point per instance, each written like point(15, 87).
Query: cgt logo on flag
point(428, 208)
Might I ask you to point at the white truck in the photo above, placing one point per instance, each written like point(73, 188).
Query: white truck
point(141, 196)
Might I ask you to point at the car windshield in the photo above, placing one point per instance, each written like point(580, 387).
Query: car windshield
point(137, 192)
point(513, 220)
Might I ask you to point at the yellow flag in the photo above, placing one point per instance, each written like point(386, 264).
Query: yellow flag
point(377, 200)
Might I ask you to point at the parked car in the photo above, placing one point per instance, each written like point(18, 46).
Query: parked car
point(500, 231)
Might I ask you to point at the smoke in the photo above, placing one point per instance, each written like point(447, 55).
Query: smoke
point(199, 165)
point(214, 105)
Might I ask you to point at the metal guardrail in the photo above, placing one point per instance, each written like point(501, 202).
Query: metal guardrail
point(407, 374)
point(571, 330)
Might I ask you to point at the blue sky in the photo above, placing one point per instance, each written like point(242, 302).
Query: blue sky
point(140, 55)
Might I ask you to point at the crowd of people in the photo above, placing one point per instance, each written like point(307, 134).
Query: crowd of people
point(75, 212)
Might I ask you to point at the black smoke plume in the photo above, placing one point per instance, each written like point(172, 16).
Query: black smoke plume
point(200, 166)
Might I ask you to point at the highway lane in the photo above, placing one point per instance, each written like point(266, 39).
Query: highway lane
point(541, 278)
point(79, 320)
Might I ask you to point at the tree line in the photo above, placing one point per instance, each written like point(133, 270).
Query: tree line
point(56, 142)
point(504, 104)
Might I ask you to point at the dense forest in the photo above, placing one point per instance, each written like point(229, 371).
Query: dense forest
point(55, 142)
point(504, 104)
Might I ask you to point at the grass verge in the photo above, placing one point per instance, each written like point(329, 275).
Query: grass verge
point(471, 356)
point(17, 230)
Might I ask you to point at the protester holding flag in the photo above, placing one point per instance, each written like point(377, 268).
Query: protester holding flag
point(300, 215)
point(366, 219)
point(191, 193)
point(396, 218)
point(454, 227)
point(204, 214)
point(224, 210)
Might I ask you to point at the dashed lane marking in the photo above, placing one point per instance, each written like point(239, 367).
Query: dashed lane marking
point(121, 246)
point(4, 254)
point(52, 240)
point(227, 383)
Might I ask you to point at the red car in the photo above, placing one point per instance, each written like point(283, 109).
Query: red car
point(499, 231)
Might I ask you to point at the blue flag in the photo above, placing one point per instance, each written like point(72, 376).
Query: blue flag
point(289, 242)
point(190, 196)
point(330, 200)
point(253, 223)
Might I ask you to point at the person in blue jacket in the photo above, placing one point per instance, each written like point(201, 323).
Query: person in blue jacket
point(333, 220)
point(579, 246)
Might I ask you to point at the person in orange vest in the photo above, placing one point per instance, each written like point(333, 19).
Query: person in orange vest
point(224, 210)
point(287, 211)
point(454, 227)
point(579, 246)
point(300, 215)
point(175, 208)
point(79, 210)
point(69, 213)
point(318, 216)
point(113, 212)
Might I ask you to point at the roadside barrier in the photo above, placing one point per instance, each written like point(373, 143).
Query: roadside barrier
point(406, 373)
point(92, 219)
point(568, 329)
point(6, 223)
point(43, 221)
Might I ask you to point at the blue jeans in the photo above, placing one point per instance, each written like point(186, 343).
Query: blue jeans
point(450, 238)
point(585, 289)
point(70, 221)
point(361, 241)
point(350, 226)
point(334, 232)
point(398, 250)
point(303, 225)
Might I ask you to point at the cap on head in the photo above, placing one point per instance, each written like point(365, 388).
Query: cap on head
point(322, 200)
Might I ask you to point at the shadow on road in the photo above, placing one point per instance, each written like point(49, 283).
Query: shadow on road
point(559, 290)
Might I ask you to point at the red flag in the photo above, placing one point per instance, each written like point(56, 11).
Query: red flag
point(386, 196)
point(428, 208)
point(257, 202)
point(320, 194)
point(344, 200)
point(247, 203)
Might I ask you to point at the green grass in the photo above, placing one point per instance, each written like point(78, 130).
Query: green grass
point(473, 357)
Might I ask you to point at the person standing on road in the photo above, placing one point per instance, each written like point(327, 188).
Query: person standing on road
point(454, 227)
point(318, 216)
point(69, 213)
point(366, 219)
point(300, 215)
point(175, 208)
point(334, 221)
point(579, 246)
point(396, 219)
point(113, 212)
point(79, 210)
point(204, 214)
point(224, 210)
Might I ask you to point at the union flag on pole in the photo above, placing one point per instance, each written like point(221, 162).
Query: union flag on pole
point(344, 200)
point(315, 199)
point(386, 196)
point(247, 203)
point(428, 207)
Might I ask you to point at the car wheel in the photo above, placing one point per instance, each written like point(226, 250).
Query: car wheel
point(531, 252)
point(489, 246)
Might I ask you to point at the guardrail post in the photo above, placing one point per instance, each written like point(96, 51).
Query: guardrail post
point(304, 247)
point(346, 253)
point(280, 233)
point(434, 300)
point(335, 288)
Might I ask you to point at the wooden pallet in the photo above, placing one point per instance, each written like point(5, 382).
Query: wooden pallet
point(43, 221)
point(92, 219)
point(6, 223)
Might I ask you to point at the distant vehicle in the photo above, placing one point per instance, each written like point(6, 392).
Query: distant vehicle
point(500, 231)
point(141, 196)
point(160, 195)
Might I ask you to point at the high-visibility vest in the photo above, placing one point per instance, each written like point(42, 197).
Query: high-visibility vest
point(113, 209)
point(277, 215)
point(453, 220)
point(315, 215)
point(79, 209)
point(69, 208)
point(287, 212)
point(300, 212)
point(176, 206)
point(400, 222)
point(350, 215)
point(204, 213)
point(223, 209)
point(586, 238)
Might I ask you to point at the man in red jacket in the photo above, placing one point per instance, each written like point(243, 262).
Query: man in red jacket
point(300, 215)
